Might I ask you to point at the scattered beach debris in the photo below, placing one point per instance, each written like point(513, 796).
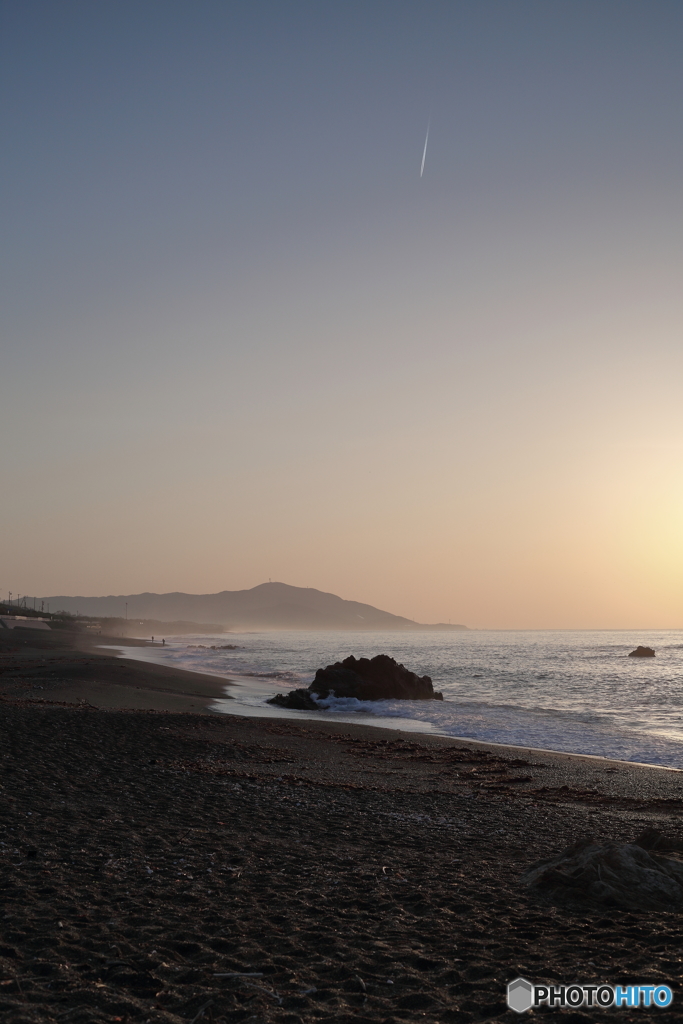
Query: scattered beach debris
point(379, 678)
point(625, 875)
point(642, 652)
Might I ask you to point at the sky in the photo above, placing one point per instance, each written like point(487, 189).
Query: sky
point(242, 339)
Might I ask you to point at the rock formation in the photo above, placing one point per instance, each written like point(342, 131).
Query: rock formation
point(295, 700)
point(379, 678)
point(642, 652)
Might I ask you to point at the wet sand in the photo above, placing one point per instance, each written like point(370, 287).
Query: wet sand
point(174, 865)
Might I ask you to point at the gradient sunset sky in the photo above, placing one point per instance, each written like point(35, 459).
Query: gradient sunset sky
point(242, 339)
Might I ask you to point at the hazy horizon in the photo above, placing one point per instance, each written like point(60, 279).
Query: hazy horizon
point(244, 339)
point(187, 616)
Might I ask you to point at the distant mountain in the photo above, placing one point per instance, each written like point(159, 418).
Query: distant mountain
point(268, 606)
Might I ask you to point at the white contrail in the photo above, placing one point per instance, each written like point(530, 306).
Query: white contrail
point(424, 154)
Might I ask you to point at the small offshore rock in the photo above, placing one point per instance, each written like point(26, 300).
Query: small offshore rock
point(642, 652)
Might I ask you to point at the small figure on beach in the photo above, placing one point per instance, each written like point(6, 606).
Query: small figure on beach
point(163, 642)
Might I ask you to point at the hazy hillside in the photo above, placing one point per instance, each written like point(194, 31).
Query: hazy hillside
point(268, 606)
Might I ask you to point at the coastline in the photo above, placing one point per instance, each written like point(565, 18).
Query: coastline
point(580, 696)
point(514, 749)
point(64, 667)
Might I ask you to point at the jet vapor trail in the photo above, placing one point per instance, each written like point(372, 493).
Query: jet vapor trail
point(424, 154)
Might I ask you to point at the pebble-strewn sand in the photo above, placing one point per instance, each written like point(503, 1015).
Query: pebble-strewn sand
point(184, 867)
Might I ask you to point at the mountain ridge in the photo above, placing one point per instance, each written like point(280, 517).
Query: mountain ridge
point(266, 606)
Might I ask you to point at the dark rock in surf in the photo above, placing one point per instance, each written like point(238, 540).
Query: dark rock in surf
point(295, 700)
point(379, 678)
point(642, 652)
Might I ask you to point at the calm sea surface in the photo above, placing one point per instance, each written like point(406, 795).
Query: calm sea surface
point(571, 691)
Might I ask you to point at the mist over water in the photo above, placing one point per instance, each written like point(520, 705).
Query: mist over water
point(573, 691)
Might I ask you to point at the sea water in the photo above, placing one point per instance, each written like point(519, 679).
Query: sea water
point(573, 691)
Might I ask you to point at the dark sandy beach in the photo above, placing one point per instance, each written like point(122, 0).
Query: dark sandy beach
point(174, 865)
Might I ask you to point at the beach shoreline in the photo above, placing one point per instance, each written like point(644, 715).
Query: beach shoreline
point(170, 865)
point(224, 682)
point(577, 696)
point(77, 667)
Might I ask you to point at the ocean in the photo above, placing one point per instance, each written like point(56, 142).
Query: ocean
point(572, 691)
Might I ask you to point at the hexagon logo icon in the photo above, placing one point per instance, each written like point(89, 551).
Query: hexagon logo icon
point(520, 995)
